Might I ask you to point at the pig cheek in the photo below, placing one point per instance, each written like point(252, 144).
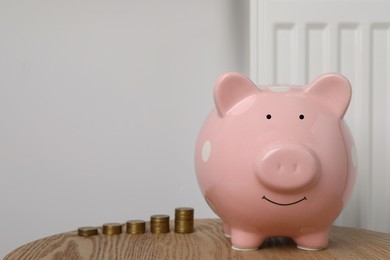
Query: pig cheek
point(234, 201)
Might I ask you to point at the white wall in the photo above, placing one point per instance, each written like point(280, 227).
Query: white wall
point(100, 104)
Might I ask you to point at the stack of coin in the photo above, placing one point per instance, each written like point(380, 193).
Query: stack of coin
point(184, 220)
point(112, 229)
point(159, 224)
point(135, 227)
point(87, 231)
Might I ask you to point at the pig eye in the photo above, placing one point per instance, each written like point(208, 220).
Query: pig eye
point(301, 117)
point(268, 116)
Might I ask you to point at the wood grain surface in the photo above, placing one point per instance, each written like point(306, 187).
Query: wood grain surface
point(207, 242)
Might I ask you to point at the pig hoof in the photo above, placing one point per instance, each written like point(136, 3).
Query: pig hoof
point(308, 248)
point(244, 249)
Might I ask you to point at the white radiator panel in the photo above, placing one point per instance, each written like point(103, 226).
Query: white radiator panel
point(295, 41)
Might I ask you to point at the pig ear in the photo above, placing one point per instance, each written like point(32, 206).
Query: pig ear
point(332, 89)
point(230, 89)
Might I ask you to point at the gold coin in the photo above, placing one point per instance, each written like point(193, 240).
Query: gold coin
point(184, 227)
point(184, 213)
point(87, 231)
point(184, 220)
point(112, 228)
point(135, 227)
point(159, 218)
point(159, 224)
point(159, 229)
point(184, 223)
point(155, 230)
point(184, 210)
point(184, 231)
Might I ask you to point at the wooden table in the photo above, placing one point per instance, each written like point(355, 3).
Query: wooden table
point(207, 242)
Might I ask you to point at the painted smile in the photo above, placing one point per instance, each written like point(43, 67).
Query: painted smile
point(282, 204)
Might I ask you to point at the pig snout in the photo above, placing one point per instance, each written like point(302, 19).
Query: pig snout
point(287, 168)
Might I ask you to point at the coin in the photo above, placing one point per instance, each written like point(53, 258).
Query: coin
point(112, 228)
point(87, 231)
point(159, 218)
point(184, 210)
point(184, 213)
point(159, 224)
point(183, 223)
point(184, 220)
point(184, 227)
point(135, 227)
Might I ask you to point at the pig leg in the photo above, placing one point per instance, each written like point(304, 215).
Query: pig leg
point(245, 241)
point(226, 230)
point(313, 240)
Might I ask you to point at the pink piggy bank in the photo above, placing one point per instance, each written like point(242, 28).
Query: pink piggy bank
point(277, 160)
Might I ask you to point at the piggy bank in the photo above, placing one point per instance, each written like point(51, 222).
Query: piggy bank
point(277, 160)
